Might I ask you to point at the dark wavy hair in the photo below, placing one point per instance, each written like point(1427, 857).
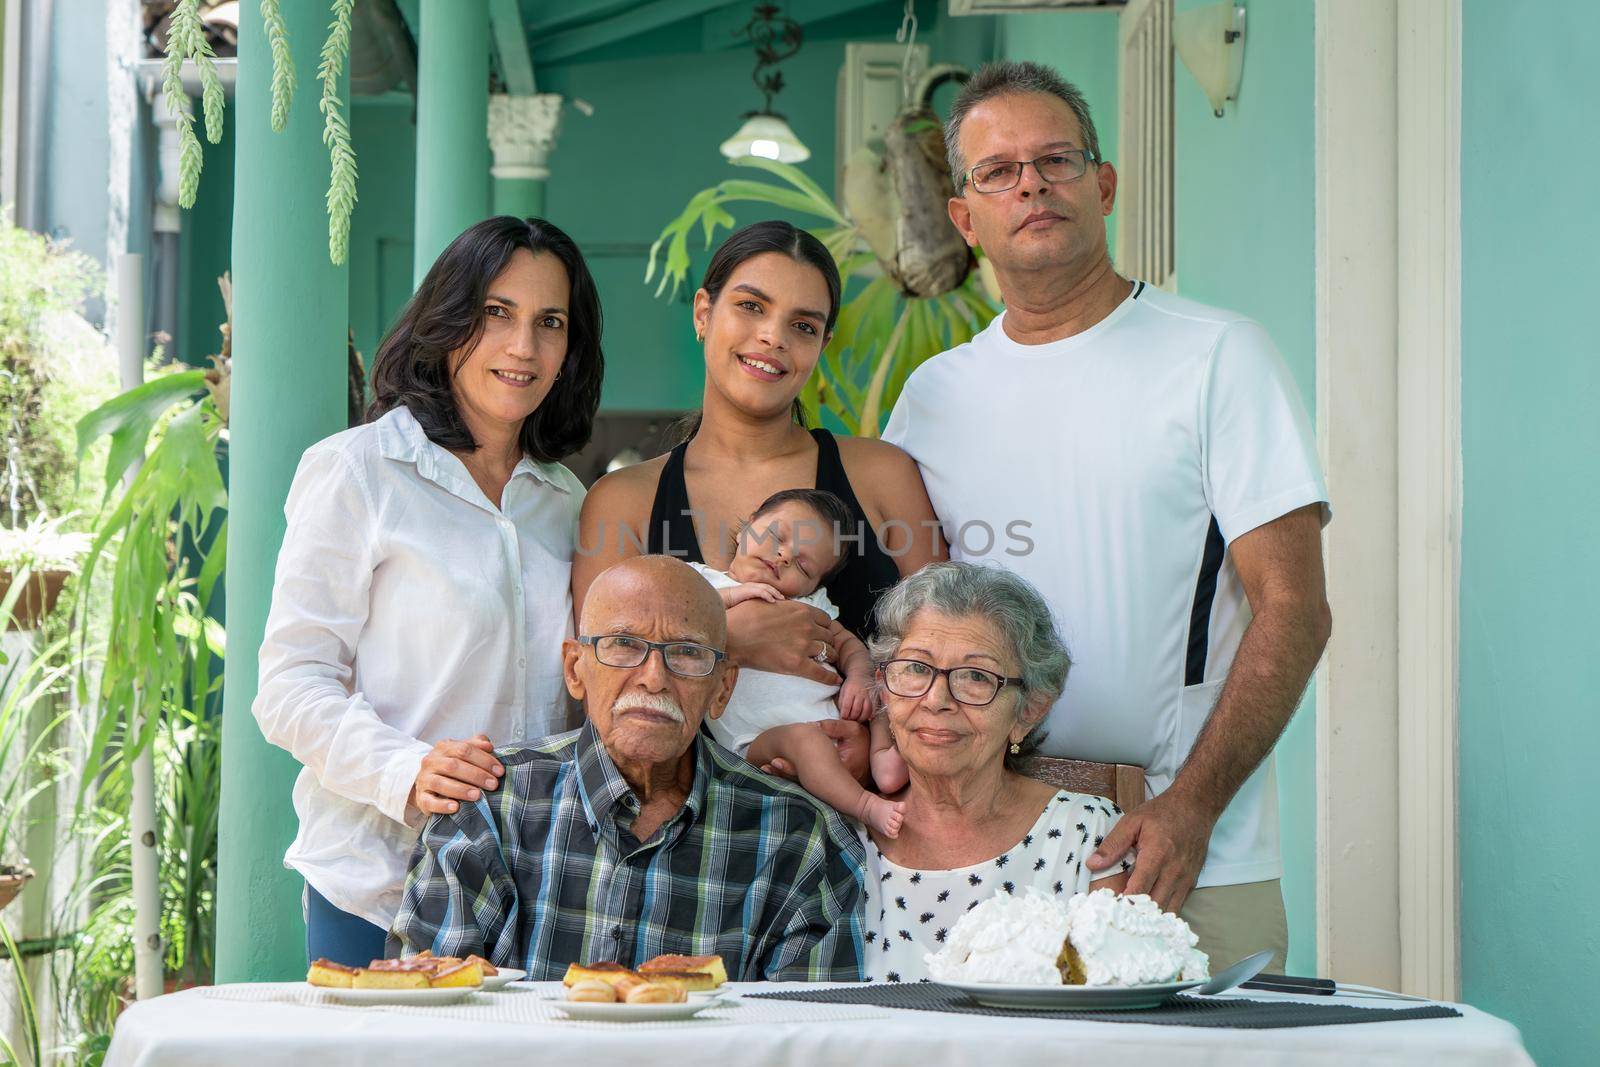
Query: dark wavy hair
point(413, 365)
point(757, 239)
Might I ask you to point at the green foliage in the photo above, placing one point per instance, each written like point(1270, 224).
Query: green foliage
point(28, 1014)
point(881, 336)
point(161, 538)
point(172, 502)
point(54, 367)
point(336, 133)
point(282, 62)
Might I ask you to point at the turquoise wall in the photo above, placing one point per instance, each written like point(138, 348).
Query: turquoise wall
point(1244, 241)
point(385, 136)
point(1530, 574)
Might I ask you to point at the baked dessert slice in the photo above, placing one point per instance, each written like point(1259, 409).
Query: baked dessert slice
point(489, 969)
point(692, 974)
point(465, 973)
point(412, 972)
point(330, 975)
point(610, 973)
point(390, 978)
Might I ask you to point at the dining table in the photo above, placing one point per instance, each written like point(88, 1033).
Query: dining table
point(294, 1025)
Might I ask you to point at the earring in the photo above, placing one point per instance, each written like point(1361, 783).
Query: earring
point(1016, 749)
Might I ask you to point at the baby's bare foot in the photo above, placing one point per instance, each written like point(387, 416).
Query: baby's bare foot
point(882, 815)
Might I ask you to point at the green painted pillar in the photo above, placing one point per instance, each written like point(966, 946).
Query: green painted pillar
point(522, 132)
point(290, 314)
point(452, 124)
point(523, 197)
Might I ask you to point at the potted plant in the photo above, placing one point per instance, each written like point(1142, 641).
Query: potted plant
point(35, 562)
point(12, 879)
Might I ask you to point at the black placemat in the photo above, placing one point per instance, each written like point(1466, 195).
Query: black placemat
point(1180, 1011)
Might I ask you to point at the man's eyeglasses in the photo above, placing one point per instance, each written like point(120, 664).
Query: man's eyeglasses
point(973, 686)
point(683, 658)
point(1063, 166)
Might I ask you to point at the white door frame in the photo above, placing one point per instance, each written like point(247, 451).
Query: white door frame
point(1388, 106)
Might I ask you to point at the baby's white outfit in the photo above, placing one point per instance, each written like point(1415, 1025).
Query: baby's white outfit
point(762, 699)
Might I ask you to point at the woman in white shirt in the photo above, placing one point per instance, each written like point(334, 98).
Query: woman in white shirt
point(422, 591)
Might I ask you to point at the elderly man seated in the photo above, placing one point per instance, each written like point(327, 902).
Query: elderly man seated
point(636, 835)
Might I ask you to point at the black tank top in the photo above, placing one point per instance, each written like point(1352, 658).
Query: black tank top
point(855, 589)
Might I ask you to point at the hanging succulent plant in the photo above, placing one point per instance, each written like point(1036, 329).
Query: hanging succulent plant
point(186, 40)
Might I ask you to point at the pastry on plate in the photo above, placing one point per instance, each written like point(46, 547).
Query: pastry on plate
point(692, 974)
point(466, 973)
point(592, 991)
point(330, 975)
point(489, 970)
point(608, 972)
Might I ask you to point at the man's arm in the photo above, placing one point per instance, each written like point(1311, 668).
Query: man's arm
point(459, 898)
point(1280, 568)
point(817, 935)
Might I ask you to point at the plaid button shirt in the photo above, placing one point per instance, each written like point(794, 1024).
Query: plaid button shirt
point(545, 871)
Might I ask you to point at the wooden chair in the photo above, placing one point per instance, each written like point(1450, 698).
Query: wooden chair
point(1119, 782)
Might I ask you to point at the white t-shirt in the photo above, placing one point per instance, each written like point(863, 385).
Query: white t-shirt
point(762, 699)
point(1112, 469)
point(910, 912)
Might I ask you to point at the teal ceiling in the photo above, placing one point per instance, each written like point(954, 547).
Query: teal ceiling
point(562, 31)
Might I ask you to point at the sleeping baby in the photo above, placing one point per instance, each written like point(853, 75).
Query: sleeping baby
point(787, 550)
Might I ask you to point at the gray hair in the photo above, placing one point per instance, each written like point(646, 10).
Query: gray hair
point(1005, 600)
point(1008, 78)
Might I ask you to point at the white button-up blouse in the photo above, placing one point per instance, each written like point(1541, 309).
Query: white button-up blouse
point(406, 609)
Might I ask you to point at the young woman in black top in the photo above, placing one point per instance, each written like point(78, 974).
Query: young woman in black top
point(764, 311)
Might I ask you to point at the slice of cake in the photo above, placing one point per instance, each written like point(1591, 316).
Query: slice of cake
point(465, 973)
point(1120, 941)
point(610, 973)
point(692, 974)
point(489, 969)
point(330, 975)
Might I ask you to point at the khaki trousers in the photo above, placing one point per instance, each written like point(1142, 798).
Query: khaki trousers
point(1235, 921)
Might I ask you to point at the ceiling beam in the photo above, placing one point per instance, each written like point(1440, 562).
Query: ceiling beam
point(576, 15)
point(720, 28)
point(511, 45)
point(642, 19)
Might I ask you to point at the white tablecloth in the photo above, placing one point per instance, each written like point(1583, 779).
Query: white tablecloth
point(246, 1026)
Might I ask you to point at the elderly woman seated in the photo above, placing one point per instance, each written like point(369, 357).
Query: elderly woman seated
point(636, 836)
point(969, 663)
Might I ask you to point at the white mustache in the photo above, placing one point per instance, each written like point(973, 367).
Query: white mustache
point(656, 702)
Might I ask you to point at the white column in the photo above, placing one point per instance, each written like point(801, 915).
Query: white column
point(1358, 920)
point(522, 134)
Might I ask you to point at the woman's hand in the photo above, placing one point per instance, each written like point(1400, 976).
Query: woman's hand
point(784, 638)
point(455, 771)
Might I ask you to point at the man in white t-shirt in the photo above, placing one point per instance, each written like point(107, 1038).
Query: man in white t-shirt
point(1146, 462)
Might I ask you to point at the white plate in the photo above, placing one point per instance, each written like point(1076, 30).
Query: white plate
point(1069, 997)
point(400, 996)
point(589, 1011)
point(506, 976)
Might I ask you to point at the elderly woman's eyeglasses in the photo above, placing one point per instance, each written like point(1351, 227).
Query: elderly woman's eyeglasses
point(970, 685)
point(1063, 166)
point(683, 658)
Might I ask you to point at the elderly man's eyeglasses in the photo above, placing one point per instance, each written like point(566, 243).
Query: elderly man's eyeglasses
point(1063, 166)
point(970, 685)
point(683, 658)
